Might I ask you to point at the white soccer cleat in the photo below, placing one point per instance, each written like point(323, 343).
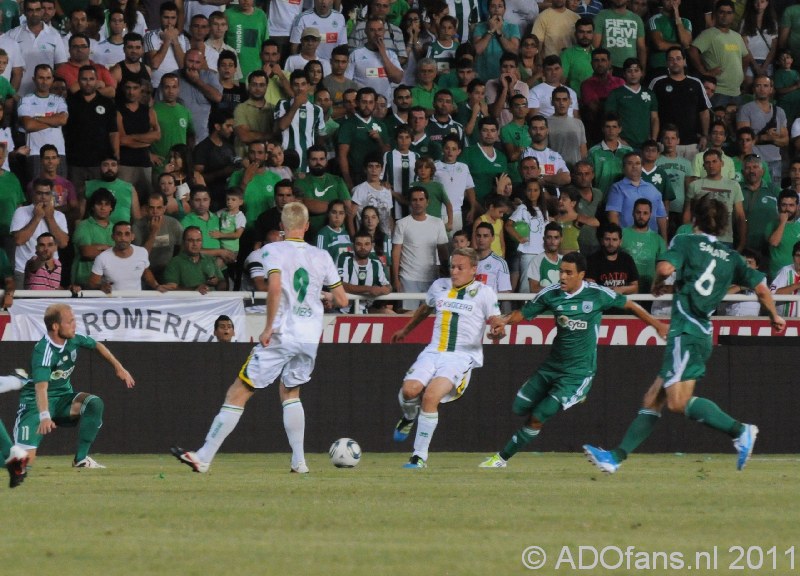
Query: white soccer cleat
point(87, 462)
point(190, 459)
point(300, 468)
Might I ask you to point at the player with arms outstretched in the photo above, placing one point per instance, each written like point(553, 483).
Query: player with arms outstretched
point(566, 376)
point(48, 401)
point(442, 371)
point(287, 348)
point(705, 268)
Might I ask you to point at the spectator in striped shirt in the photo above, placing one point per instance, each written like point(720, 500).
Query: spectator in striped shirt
point(43, 270)
point(362, 273)
point(301, 123)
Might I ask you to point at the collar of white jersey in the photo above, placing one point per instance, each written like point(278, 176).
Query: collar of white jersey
point(464, 286)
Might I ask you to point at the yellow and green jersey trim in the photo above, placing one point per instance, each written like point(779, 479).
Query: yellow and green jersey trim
point(448, 334)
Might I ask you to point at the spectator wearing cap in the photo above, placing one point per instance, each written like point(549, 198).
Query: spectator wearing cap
point(309, 50)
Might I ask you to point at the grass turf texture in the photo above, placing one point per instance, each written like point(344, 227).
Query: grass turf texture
point(148, 514)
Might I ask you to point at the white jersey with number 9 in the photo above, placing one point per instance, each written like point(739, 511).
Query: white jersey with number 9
point(304, 270)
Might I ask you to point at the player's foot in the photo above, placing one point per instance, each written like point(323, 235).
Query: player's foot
point(415, 462)
point(299, 468)
point(403, 429)
point(87, 462)
point(494, 462)
point(603, 459)
point(17, 466)
point(190, 459)
point(744, 444)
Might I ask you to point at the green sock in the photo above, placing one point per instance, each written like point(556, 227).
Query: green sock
point(89, 426)
point(518, 441)
point(5, 442)
point(637, 432)
point(705, 411)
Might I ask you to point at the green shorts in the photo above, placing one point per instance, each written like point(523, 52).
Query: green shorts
point(567, 389)
point(685, 358)
point(28, 419)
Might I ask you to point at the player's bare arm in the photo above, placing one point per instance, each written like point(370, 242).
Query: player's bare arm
point(46, 424)
point(647, 318)
point(765, 299)
point(119, 369)
point(419, 315)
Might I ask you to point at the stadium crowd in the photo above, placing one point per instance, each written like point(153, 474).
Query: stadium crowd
point(152, 145)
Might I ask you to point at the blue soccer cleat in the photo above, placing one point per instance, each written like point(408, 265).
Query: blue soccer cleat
point(402, 429)
point(415, 463)
point(744, 444)
point(603, 459)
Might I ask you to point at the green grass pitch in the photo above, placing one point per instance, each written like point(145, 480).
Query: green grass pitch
point(148, 514)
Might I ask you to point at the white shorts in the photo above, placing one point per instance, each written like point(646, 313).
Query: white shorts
point(455, 367)
point(292, 361)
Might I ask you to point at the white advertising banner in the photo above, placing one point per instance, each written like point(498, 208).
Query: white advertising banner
point(134, 319)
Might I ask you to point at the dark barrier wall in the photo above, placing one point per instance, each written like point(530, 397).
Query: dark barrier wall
point(354, 393)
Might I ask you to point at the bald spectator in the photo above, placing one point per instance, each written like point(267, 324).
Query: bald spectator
point(199, 91)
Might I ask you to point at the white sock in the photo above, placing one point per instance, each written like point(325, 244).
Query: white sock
point(223, 424)
point(294, 420)
point(10, 383)
point(410, 407)
point(426, 425)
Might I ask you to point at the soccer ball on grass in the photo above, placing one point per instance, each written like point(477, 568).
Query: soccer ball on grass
point(345, 453)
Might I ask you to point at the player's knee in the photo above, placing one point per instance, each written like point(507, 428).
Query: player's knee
point(520, 407)
point(411, 389)
point(676, 404)
point(545, 410)
point(93, 405)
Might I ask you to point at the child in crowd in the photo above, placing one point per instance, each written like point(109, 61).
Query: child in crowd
point(496, 208)
point(460, 240)
point(381, 241)
point(438, 202)
point(333, 237)
point(372, 192)
point(526, 226)
point(399, 166)
point(231, 221)
point(443, 49)
point(276, 161)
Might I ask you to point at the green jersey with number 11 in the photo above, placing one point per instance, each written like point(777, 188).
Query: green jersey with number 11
point(705, 269)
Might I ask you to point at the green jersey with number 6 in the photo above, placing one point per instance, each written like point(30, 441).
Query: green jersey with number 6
point(304, 270)
point(54, 364)
point(705, 269)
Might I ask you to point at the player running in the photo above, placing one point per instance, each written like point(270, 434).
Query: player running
point(442, 371)
point(14, 457)
point(566, 376)
point(287, 348)
point(705, 268)
point(48, 401)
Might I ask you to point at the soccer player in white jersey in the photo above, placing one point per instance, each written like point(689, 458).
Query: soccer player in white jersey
point(442, 371)
point(287, 348)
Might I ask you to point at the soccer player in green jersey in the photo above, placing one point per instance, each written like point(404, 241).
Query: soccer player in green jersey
point(705, 268)
point(15, 458)
point(47, 400)
point(566, 376)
